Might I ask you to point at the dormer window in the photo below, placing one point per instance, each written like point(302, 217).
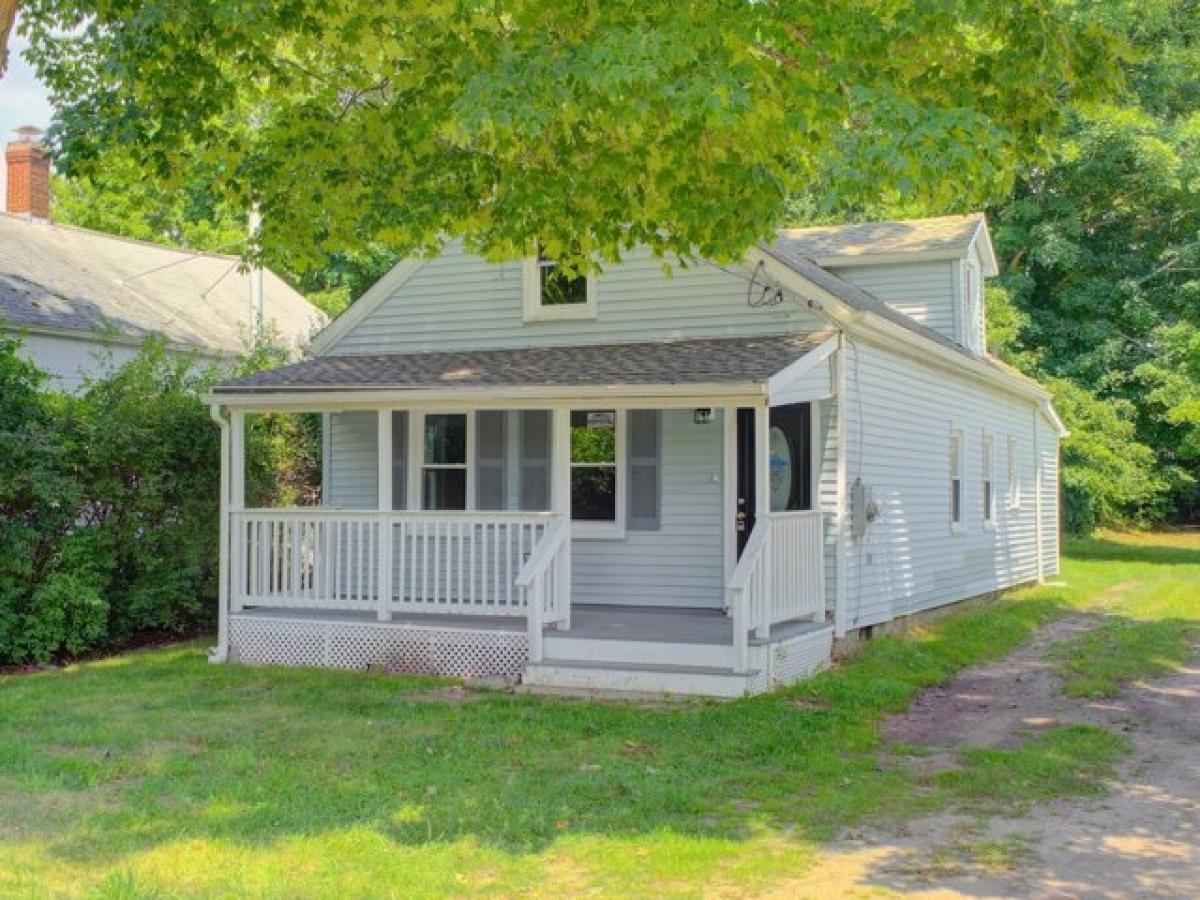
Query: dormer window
point(552, 295)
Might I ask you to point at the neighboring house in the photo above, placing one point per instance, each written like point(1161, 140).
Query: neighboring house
point(78, 298)
point(687, 484)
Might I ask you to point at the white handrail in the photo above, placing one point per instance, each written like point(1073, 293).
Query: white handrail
point(545, 583)
point(779, 578)
point(747, 590)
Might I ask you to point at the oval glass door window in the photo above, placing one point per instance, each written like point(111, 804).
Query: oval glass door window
point(782, 467)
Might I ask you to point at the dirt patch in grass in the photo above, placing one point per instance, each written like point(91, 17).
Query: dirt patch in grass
point(993, 705)
point(1141, 838)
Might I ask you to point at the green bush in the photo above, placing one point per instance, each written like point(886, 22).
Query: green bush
point(109, 501)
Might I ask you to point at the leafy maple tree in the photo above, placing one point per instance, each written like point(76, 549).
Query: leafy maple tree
point(589, 126)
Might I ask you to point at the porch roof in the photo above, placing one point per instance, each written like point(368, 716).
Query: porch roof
point(691, 362)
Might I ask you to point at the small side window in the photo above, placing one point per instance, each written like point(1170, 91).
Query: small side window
point(956, 488)
point(988, 479)
point(553, 295)
point(1014, 475)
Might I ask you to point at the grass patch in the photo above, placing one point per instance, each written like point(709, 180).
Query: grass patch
point(998, 856)
point(1059, 762)
point(1100, 662)
point(155, 773)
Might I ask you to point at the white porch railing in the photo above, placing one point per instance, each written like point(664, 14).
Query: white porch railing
point(545, 584)
point(780, 577)
point(444, 562)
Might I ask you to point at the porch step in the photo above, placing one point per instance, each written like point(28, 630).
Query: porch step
point(563, 646)
point(639, 678)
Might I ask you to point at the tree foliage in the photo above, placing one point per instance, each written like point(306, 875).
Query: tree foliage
point(1101, 258)
point(592, 127)
point(109, 500)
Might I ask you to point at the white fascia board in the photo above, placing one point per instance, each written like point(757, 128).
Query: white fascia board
point(893, 335)
point(366, 304)
point(982, 241)
point(1051, 414)
point(616, 396)
point(792, 373)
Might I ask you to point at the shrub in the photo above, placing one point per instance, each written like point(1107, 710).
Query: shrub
point(109, 500)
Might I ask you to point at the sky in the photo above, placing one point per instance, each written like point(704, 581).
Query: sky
point(23, 99)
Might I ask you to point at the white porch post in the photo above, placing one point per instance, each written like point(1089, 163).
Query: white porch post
point(560, 500)
point(729, 488)
point(237, 486)
point(762, 500)
point(839, 515)
point(221, 651)
point(383, 579)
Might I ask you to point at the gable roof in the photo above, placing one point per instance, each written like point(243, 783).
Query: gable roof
point(688, 362)
point(940, 237)
point(59, 278)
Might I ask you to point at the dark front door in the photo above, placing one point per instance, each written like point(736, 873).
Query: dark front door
point(744, 514)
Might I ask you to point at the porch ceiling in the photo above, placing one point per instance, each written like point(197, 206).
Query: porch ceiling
point(670, 363)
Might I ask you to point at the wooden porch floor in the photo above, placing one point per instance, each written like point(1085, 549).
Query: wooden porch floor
point(678, 625)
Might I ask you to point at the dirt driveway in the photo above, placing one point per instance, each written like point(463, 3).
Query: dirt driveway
point(1140, 840)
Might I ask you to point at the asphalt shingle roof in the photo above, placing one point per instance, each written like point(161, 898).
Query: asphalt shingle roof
point(722, 360)
point(943, 234)
point(71, 279)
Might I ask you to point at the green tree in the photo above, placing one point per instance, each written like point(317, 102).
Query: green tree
point(593, 127)
point(1101, 257)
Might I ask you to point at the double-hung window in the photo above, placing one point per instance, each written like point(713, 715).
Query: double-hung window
point(595, 470)
point(553, 295)
point(956, 484)
point(444, 466)
point(1014, 475)
point(988, 479)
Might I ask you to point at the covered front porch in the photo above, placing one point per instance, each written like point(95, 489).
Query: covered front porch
point(642, 564)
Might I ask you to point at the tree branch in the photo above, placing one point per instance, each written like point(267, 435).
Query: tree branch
point(8, 17)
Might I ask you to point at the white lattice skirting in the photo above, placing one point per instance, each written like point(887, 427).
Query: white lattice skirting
point(792, 659)
point(456, 652)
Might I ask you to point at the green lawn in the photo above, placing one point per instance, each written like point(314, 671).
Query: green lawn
point(157, 774)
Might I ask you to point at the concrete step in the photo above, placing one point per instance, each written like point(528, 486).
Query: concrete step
point(562, 645)
point(589, 675)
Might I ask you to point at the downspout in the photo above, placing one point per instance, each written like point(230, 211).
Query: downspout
point(220, 653)
point(839, 515)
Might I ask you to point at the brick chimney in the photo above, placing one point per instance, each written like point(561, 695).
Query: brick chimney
point(28, 175)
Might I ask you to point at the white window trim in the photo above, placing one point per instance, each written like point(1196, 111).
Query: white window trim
point(957, 527)
point(469, 464)
point(987, 479)
point(973, 317)
point(1014, 474)
point(604, 531)
point(531, 292)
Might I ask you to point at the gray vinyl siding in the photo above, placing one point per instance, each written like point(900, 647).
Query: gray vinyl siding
point(825, 455)
point(457, 302)
point(353, 475)
point(910, 559)
point(925, 291)
point(681, 564)
point(1049, 449)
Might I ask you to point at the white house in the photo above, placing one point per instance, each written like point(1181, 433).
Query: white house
point(680, 484)
point(79, 298)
